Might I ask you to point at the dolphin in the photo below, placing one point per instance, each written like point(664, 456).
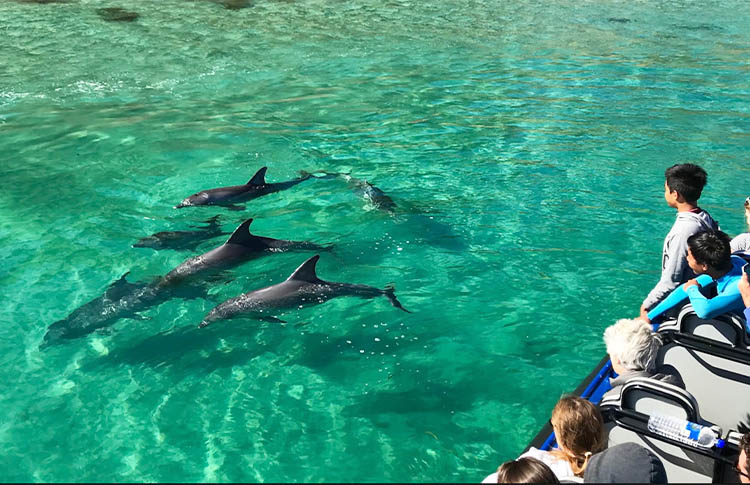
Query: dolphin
point(43, 2)
point(126, 300)
point(366, 190)
point(229, 196)
point(240, 247)
point(373, 195)
point(302, 288)
point(236, 4)
point(122, 299)
point(117, 14)
point(182, 239)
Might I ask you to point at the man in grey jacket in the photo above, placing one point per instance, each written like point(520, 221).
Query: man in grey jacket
point(682, 188)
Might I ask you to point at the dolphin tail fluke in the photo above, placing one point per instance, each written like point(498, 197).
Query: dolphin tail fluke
point(389, 292)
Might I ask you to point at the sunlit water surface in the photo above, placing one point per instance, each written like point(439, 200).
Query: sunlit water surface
point(524, 144)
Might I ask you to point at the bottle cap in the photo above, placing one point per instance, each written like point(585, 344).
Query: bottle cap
point(720, 443)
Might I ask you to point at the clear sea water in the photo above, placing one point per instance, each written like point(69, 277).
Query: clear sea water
point(523, 142)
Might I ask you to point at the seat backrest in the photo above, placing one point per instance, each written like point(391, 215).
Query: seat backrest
point(717, 376)
point(648, 396)
point(728, 328)
point(682, 464)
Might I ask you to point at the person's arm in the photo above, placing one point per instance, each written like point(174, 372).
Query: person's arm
point(674, 298)
point(741, 243)
point(678, 296)
point(744, 287)
point(674, 269)
point(712, 307)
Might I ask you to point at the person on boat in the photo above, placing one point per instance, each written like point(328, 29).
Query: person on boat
point(682, 188)
point(632, 347)
point(715, 291)
point(741, 243)
point(525, 470)
point(743, 462)
point(744, 287)
point(579, 432)
point(626, 463)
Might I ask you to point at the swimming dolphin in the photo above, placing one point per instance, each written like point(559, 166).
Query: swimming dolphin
point(182, 239)
point(366, 190)
point(229, 196)
point(121, 300)
point(240, 247)
point(126, 300)
point(372, 194)
point(302, 288)
point(117, 14)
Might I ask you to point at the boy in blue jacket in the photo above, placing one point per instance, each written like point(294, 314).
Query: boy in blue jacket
point(715, 291)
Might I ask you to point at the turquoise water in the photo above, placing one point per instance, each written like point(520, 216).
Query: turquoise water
point(523, 142)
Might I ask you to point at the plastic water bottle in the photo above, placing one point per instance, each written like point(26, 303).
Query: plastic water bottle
point(684, 431)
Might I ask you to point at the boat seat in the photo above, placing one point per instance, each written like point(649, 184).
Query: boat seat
point(717, 375)
point(645, 396)
point(728, 328)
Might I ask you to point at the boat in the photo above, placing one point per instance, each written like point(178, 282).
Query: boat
point(713, 359)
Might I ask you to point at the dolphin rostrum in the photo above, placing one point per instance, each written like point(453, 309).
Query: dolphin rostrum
point(229, 196)
point(240, 247)
point(302, 288)
point(185, 240)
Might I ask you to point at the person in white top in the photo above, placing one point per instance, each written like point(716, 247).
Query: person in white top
point(579, 432)
point(741, 243)
point(523, 470)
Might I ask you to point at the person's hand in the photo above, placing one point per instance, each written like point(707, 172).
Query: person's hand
point(644, 315)
point(690, 283)
point(744, 286)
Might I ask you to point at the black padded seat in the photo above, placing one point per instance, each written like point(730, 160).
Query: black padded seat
point(728, 328)
point(647, 396)
point(642, 397)
point(717, 375)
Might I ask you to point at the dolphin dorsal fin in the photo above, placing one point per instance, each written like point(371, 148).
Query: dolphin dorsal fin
point(121, 282)
point(259, 178)
point(306, 271)
point(241, 234)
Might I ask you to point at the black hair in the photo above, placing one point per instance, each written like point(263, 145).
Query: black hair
point(712, 249)
point(525, 470)
point(745, 446)
point(687, 179)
